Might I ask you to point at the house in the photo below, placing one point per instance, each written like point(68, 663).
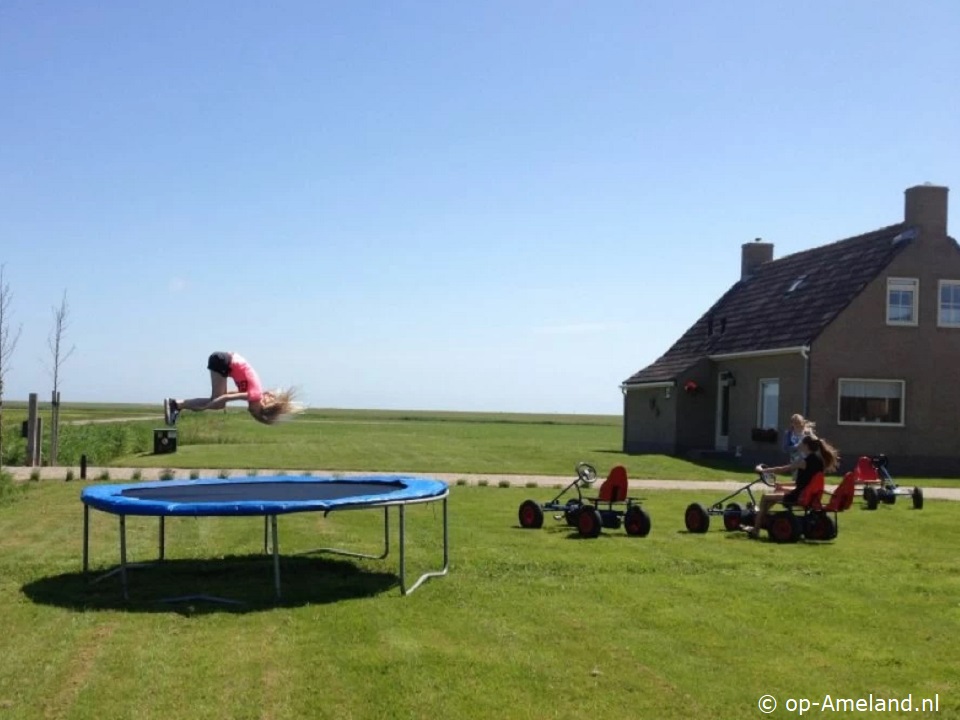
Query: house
point(861, 335)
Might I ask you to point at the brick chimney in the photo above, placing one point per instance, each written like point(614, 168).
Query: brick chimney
point(926, 206)
point(753, 255)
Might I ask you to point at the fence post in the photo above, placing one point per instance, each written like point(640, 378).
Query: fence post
point(32, 437)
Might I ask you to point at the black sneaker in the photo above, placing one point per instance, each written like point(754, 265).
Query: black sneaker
point(174, 411)
point(166, 411)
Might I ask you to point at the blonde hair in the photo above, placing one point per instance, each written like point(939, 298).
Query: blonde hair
point(809, 426)
point(279, 405)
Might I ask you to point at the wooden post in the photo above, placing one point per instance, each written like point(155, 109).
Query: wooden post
point(32, 438)
point(55, 429)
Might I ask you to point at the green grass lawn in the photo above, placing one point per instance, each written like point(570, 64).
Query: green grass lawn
point(528, 624)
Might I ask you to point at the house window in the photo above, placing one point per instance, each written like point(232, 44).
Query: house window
point(876, 402)
point(767, 417)
point(949, 315)
point(902, 301)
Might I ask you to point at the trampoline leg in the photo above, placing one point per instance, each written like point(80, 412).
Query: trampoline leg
point(162, 537)
point(123, 555)
point(276, 555)
point(266, 534)
point(86, 538)
point(404, 590)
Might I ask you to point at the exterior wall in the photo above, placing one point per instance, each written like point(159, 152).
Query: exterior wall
point(696, 412)
point(790, 370)
point(859, 344)
point(650, 420)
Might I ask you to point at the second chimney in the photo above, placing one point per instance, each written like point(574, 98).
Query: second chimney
point(753, 255)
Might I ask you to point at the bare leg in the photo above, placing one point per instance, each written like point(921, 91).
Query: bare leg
point(218, 387)
point(765, 503)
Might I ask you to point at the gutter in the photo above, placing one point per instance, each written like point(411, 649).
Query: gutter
point(801, 349)
point(624, 387)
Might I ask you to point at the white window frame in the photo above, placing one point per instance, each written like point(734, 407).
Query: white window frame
point(903, 403)
point(940, 321)
point(903, 284)
point(761, 385)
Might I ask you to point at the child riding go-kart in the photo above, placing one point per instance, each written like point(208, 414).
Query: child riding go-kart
point(611, 508)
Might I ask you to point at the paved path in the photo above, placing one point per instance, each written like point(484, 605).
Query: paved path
point(117, 474)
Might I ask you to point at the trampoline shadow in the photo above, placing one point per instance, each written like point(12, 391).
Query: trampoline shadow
point(232, 584)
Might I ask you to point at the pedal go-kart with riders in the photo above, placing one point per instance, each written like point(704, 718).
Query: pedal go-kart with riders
point(808, 517)
point(611, 508)
point(879, 486)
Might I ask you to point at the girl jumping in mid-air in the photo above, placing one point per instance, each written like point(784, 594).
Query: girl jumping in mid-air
point(266, 407)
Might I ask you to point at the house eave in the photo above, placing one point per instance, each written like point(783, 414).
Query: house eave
point(796, 350)
point(648, 385)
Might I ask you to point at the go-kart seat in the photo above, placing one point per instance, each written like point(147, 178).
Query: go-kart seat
point(866, 472)
point(614, 488)
point(842, 497)
point(811, 496)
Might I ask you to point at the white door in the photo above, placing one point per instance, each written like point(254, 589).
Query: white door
point(723, 414)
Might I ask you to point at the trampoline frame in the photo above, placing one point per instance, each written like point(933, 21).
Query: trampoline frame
point(271, 539)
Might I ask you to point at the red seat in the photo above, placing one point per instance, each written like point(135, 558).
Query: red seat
point(865, 471)
point(810, 496)
point(843, 496)
point(614, 488)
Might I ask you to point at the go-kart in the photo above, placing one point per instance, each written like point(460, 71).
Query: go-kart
point(878, 484)
point(610, 509)
point(807, 517)
point(697, 516)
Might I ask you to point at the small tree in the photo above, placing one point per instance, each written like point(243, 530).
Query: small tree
point(8, 342)
point(56, 341)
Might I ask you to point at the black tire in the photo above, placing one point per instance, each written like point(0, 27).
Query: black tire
point(732, 517)
point(696, 518)
point(530, 515)
point(748, 516)
point(819, 526)
point(889, 497)
point(917, 496)
point(870, 497)
point(589, 522)
point(784, 528)
point(571, 512)
point(636, 521)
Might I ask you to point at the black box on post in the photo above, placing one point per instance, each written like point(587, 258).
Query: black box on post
point(164, 441)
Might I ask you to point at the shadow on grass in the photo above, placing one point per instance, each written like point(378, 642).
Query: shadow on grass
point(189, 587)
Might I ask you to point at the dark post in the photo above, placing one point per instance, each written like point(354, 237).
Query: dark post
point(83, 467)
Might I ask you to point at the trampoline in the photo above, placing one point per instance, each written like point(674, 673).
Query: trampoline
point(268, 497)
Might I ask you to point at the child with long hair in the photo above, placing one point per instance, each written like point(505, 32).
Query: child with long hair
point(818, 456)
point(265, 406)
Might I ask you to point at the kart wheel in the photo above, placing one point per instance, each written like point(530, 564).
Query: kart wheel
point(870, 497)
point(610, 519)
point(636, 521)
point(819, 526)
point(530, 515)
point(696, 518)
point(589, 522)
point(748, 516)
point(784, 528)
point(889, 497)
point(732, 517)
point(571, 512)
point(917, 496)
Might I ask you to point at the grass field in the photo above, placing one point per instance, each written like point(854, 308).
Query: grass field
point(528, 624)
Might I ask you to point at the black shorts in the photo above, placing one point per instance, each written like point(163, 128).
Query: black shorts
point(219, 362)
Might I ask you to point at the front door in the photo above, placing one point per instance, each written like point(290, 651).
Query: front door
point(723, 414)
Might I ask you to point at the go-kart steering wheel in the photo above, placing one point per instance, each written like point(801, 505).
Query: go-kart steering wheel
point(765, 476)
point(586, 473)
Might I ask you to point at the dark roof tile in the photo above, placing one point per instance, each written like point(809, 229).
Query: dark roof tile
point(762, 313)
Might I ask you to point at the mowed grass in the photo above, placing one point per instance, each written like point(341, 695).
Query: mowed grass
point(528, 624)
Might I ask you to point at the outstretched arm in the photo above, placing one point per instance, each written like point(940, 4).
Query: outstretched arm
point(216, 403)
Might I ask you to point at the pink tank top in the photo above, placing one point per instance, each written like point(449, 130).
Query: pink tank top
point(245, 377)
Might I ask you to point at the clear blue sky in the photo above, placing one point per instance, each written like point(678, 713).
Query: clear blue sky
point(505, 206)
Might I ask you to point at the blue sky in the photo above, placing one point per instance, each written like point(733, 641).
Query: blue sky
point(507, 206)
